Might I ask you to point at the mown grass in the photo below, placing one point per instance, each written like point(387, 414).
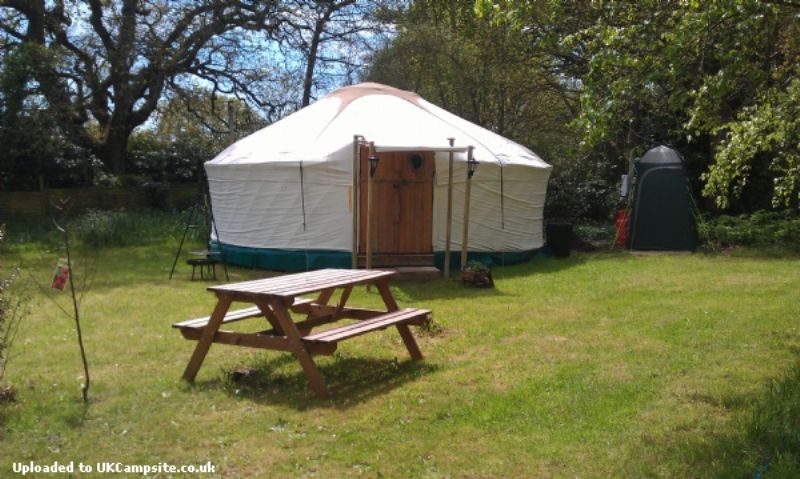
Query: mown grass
point(601, 365)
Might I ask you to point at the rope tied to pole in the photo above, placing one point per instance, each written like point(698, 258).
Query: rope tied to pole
point(502, 199)
point(302, 196)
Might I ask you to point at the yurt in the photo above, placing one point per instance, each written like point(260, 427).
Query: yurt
point(661, 216)
point(372, 160)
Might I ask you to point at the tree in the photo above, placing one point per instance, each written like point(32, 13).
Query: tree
point(769, 128)
point(766, 131)
point(492, 74)
point(102, 66)
point(326, 40)
point(34, 145)
point(210, 121)
point(189, 130)
point(484, 72)
point(693, 74)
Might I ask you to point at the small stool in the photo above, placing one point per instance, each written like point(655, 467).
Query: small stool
point(209, 264)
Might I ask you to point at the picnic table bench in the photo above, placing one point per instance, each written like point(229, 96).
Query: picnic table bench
point(275, 298)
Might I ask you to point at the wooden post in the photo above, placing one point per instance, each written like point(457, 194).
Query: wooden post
point(449, 231)
point(465, 230)
point(369, 209)
point(354, 196)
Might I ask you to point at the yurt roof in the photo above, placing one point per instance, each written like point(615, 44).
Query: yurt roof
point(389, 117)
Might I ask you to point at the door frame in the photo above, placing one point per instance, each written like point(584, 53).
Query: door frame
point(399, 180)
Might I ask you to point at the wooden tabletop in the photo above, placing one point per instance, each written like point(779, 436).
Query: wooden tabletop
point(301, 283)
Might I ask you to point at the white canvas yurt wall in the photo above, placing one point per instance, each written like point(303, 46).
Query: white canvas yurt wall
point(283, 197)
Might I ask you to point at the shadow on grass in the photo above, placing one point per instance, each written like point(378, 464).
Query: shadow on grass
point(442, 289)
point(119, 267)
point(65, 413)
point(763, 441)
point(350, 380)
point(452, 288)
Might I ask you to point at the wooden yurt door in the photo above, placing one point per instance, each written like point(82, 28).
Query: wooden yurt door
point(402, 203)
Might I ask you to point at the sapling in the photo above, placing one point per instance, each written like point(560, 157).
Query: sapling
point(63, 227)
point(12, 309)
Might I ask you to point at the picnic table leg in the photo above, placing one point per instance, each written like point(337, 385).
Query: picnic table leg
point(322, 300)
point(403, 329)
point(342, 301)
point(266, 310)
point(206, 338)
point(313, 375)
point(325, 295)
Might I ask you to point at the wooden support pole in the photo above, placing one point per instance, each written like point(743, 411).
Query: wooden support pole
point(465, 230)
point(369, 209)
point(354, 197)
point(449, 231)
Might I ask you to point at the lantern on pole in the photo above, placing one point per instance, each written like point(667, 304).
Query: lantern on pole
point(373, 166)
point(449, 230)
point(373, 162)
point(472, 165)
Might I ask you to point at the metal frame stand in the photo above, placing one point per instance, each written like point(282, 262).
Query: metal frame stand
point(204, 200)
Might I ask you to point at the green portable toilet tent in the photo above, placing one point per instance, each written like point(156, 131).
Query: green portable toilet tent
point(661, 213)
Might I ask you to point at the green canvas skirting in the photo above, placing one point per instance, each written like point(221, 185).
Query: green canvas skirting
point(283, 259)
point(305, 260)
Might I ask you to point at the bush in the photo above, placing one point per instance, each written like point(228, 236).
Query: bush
point(763, 229)
point(12, 309)
point(596, 232)
point(100, 228)
point(582, 191)
point(159, 161)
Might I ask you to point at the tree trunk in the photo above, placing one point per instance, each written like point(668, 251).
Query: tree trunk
point(114, 151)
point(312, 60)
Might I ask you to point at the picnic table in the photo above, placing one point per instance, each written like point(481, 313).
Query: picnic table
point(275, 298)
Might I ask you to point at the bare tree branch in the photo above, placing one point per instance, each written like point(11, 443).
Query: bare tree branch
point(126, 53)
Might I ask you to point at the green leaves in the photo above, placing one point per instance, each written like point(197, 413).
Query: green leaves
point(715, 78)
point(481, 69)
point(770, 128)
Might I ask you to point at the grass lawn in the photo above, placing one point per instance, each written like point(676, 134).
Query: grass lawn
point(601, 365)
